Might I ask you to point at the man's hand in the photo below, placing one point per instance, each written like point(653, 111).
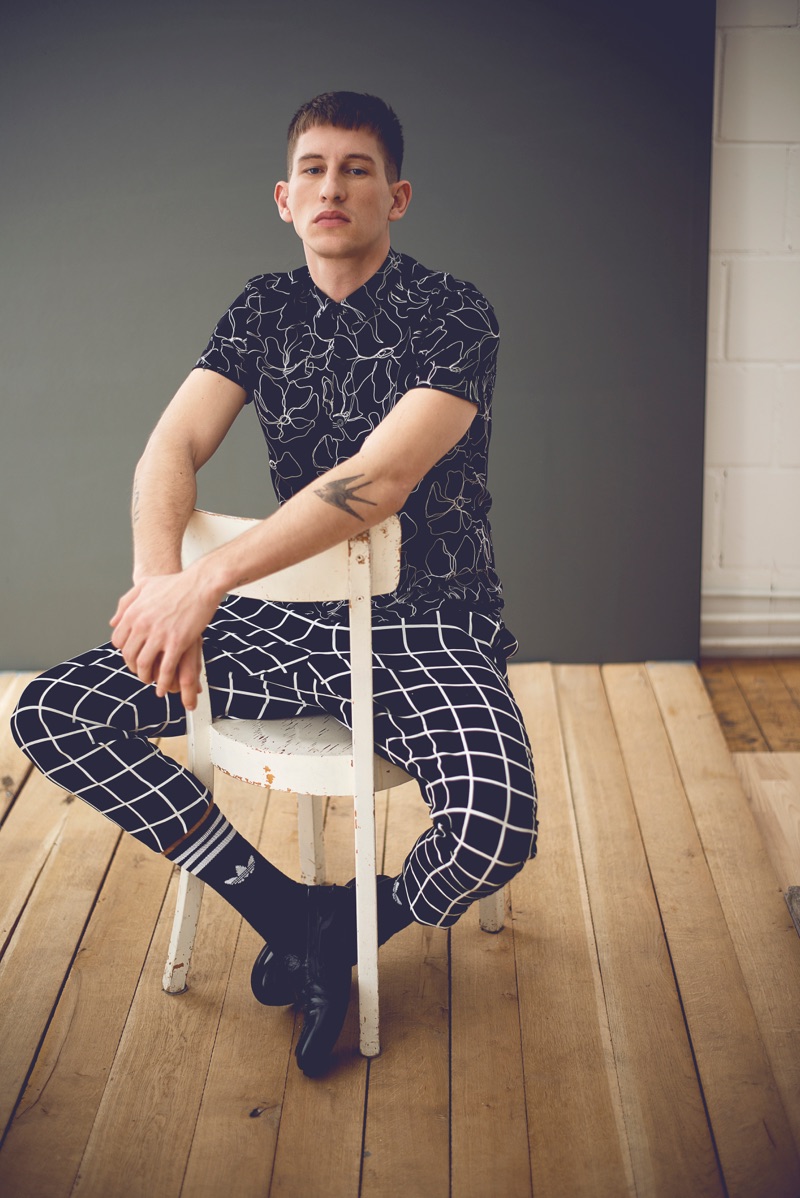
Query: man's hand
point(158, 627)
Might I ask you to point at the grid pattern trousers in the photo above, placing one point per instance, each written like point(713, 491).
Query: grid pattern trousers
point(443, 711)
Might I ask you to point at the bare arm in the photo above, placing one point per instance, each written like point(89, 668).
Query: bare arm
point(165, 489)
point(158, 620)
point(164, 486)
point(354, 495)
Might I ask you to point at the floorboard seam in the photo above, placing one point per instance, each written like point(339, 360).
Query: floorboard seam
point(62, 985)
point(519, 1025)
point(605, 1023)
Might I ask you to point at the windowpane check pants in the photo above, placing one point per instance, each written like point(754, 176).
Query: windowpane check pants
point(443, 711)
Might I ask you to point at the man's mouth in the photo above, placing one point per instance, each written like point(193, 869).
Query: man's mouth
point(331, 218)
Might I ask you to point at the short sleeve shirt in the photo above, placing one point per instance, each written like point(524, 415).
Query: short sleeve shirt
point(322, 375)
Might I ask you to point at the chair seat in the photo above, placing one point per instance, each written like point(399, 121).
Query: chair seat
point(305, 755)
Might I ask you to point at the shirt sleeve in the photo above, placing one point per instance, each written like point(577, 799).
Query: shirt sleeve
point(456, 347)
point(227, 350)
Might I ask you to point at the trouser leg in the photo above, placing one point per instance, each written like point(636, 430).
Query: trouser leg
point(443, 710)
point(86, 725)
point(445, 713)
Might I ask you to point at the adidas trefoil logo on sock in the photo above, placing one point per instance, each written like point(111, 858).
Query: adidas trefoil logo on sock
point(242, 872)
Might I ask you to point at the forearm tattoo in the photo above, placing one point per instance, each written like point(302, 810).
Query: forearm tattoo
point(339, 493)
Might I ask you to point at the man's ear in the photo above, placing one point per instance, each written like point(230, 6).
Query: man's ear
point(401, 195)
point(282, 200)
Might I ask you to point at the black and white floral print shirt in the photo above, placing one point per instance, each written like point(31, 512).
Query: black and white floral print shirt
point(322, 375)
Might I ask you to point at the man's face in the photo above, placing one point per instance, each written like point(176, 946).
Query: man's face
point(338, 196)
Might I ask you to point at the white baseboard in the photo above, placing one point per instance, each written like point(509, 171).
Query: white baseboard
point(750, 623)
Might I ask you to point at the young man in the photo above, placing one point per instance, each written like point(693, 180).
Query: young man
point(372, 378)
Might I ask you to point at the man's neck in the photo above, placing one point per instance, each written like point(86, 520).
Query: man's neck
point(340, 277)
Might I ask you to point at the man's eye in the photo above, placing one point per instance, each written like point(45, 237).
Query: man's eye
point(357, 170)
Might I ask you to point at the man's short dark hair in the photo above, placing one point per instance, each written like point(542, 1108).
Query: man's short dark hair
point(352, 110)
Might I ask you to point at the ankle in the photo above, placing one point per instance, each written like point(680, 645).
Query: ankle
point(394, 911)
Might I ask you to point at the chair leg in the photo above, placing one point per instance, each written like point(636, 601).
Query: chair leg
point(312, 842)
point(184, 928)
point(367, 927)
point(492, 911)
point(368, 1010)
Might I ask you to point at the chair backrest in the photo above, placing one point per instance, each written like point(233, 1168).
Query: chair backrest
point(368, 564)
point(321, 578)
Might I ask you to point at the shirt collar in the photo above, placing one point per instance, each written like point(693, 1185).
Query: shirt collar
point(363, 302)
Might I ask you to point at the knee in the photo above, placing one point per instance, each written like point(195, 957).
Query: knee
point(522, 828)
point(493, 840)
point(51, 708)
point(94, 694)
point(29, 721)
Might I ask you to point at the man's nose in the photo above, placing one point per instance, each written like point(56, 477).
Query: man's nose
point(332, 187)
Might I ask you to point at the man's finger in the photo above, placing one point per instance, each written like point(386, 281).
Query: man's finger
point(165, 674)
point(130, 649)
point(188, 677)
point(119, 636)
point(198, 660)
point(123, 604)
point(147, 666)
point(174, 687)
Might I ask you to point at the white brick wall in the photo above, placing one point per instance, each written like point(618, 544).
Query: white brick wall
point(751, 529)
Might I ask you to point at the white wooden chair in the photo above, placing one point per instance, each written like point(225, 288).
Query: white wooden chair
point(312, 756)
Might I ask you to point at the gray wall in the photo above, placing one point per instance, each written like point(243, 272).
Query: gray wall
point(560, 158)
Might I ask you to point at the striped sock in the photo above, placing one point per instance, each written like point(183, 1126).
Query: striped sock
point(272, 903)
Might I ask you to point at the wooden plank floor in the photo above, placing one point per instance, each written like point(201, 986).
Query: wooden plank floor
point(771, 782)
point(634, 1030)
point(757, 702)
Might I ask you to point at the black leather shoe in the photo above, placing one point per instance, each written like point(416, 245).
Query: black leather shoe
point(325, 993)
point(277, 978)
